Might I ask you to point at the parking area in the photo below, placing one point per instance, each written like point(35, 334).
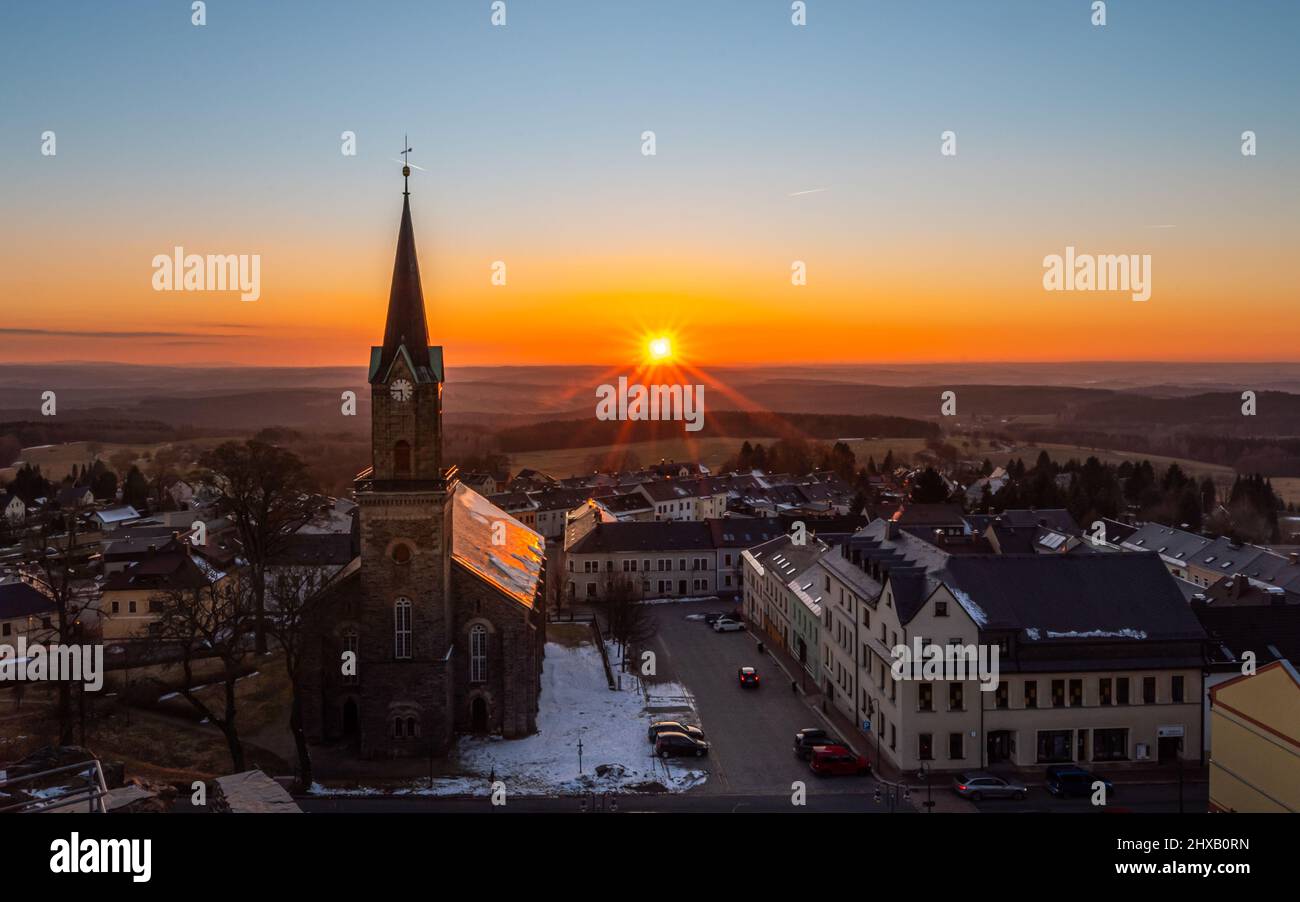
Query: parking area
point(751, 730)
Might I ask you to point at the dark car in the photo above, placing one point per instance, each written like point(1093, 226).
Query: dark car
point(711, 616)
point(668, 745)
point(748, 678)
point(809, 738)
point(837, 760)
point(672, 726)
point(1070, 781)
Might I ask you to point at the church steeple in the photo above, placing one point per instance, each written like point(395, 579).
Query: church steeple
point(406, 324)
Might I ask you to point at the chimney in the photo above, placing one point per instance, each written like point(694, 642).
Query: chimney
point(891, 529)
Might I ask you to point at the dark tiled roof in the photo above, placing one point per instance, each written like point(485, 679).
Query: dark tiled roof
point(929, 515)
point(1100, 596)
point(314, 550)
point(21, 600)
point(168, 570)
point(743, 532)
point(1057, 518)
point(663, 535)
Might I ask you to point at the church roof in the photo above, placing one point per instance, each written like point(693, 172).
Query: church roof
point(406, 330)
point(515, 566)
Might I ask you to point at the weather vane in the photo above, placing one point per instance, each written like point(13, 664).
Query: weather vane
point(406, 164)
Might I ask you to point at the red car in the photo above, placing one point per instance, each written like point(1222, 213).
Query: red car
point(838, 760)
point(748, 678)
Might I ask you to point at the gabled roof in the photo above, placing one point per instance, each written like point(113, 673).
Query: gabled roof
point(660, 535)
point(1172, 544)
point(1223, 556)
point(163, 571)
point(743, 532)
point(21, 600)
point(314, 549)
point(1072, 597)
point(515, 566)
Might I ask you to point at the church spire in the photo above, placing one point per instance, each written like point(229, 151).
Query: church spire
point(406, 323)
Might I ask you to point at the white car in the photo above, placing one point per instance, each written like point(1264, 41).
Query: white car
point(727, 625)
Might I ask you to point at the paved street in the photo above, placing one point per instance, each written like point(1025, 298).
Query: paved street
point(1144, 797)
point(751, 730)
point(675, 803)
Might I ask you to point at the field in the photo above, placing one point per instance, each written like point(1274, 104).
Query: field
point(709, 451)
point(56, 461)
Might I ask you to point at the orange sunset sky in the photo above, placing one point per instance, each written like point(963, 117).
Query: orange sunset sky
point(775, 144)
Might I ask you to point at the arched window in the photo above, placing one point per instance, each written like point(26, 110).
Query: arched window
point(397, 727)
point(352, 643)
point(402, 459)
point(411, 727)
point(402, 553)
point(402, 628)
point(478, 653)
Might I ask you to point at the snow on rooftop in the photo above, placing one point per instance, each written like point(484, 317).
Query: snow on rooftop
point(975, 611)
point(513, 566)
point(1125, 633)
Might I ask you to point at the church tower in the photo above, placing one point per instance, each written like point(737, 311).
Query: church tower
point(405, 625)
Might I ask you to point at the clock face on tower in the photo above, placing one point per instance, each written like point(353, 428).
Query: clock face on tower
point(400, 390)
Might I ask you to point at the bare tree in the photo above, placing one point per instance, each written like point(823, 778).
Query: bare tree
point(264, 490)
point(629, 620)
point(197, 624)
point(293, 593)
point(50, 561)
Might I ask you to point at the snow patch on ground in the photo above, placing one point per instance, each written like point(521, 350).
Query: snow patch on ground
point(577, 704)
point(685, 599)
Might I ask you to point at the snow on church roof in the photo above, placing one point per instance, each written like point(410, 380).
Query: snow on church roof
point(515, 566)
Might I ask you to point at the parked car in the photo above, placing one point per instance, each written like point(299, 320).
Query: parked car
point(979, 784)
point(727, 625)
point(668, 745)
point(809, 738)
point(1072, 781)
point(713, 616)
point(837, 760)
point(673, 726)
point(748, 678)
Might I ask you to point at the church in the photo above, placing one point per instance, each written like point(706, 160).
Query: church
point(443, 609)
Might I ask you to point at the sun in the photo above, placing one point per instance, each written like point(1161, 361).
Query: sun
point(661, 348)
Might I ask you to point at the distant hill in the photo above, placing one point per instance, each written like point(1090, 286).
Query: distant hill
point(590, 432)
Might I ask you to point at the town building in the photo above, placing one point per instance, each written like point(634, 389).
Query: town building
point(1255, 752)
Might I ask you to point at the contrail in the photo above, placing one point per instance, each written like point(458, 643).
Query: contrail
point(809, 191)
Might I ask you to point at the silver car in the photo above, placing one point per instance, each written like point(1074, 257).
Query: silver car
point(979, 784)
point(726, 625)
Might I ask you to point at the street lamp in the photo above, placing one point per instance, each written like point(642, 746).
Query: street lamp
point(925, 778)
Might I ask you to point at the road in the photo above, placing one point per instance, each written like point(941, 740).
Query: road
point(751, 730)
point(1144, 797)
point(675, 803)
